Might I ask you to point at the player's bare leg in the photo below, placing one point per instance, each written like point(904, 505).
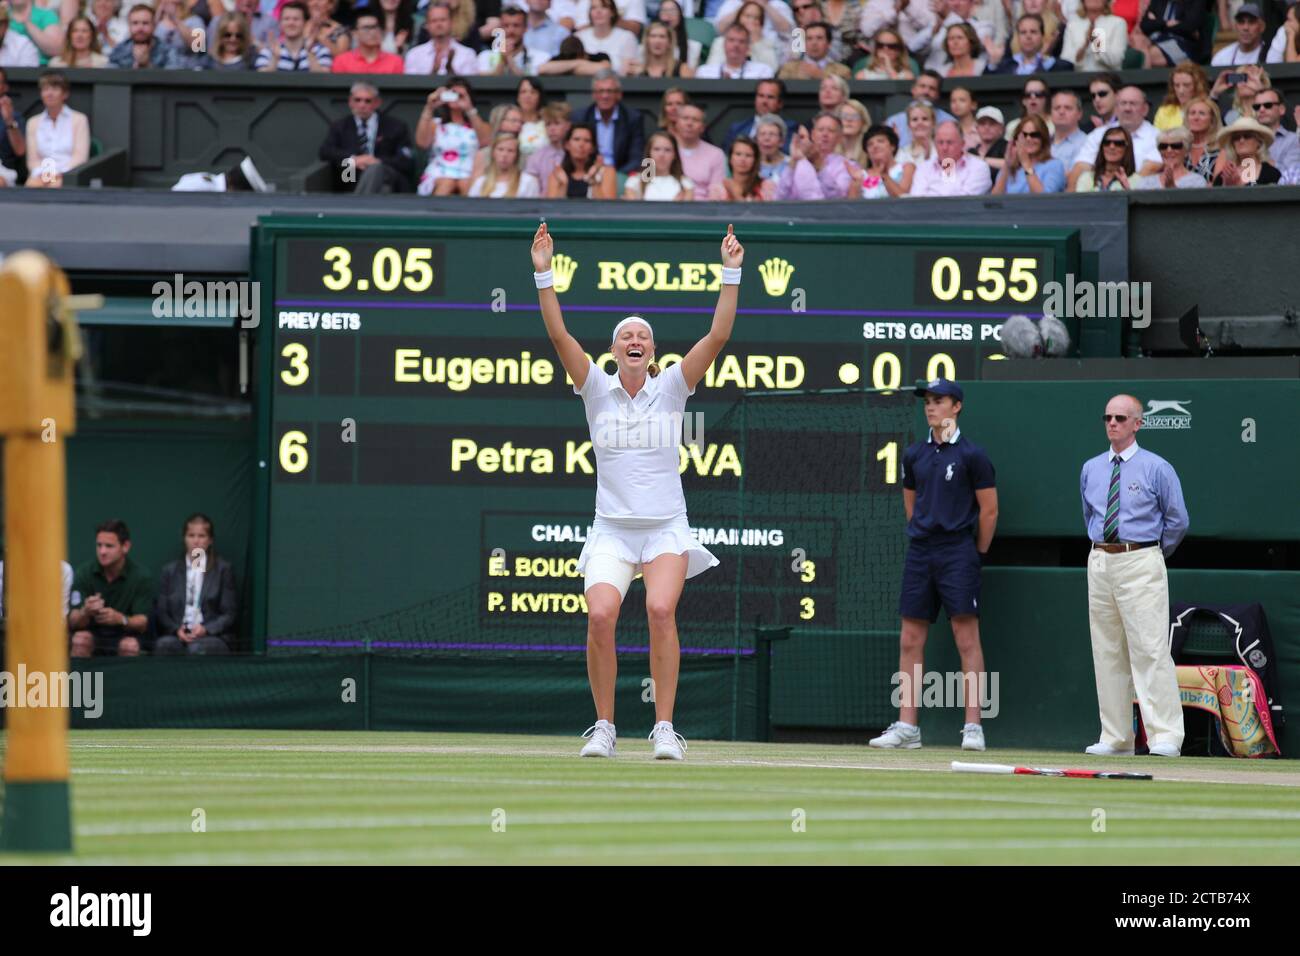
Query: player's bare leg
point(603, 603)
point(664, 578)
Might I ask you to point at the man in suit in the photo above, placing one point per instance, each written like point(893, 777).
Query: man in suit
point(769, 97)
point(369, 152)
point(1032, 58)
point(620, 140)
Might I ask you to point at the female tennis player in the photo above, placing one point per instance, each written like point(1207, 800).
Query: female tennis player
point(635, 417)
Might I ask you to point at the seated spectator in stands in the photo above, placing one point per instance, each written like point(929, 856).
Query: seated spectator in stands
point(174, 23)
point(1244, 92)
point(770, 139)
point(15, 49)
point(1067, 138)
point(557, 119)
point(769, 98)
point(470, 29)
point(262, 27)
point(963, 105)
point(961, 51)
point(111, 598)
point(322, 28)
point(396, 23)
point(662, 179)
point(745, 184)
point(921, 123)
point(1112, 167)
point(1170, 32)
point(582, 174)
point(66, 575)
point(513, 58)
point(992, 129)
point(503, 177)
point(761, 49)
point(1103, 91)
point(451, 130)
point(832, 93)
point(619, 136)
point(1053, 31)
point(704, 163)
point(854, 119)
point(1203, 123)
point(1033, 102)
point(911, 21)
point(952, 171)
point(38, 24)
point(532, 133)
point(197, 608)
point(960, 11)
point(141, 50)
point(1029, 166)
point(366, 56)
point(1174, 145)
point(235, 50)
point(442, 54)
point(883, 175)
point(290, 52)
point(629, 15)
point(574, 60)
point(1031, 55)
point(658, 59)
point(13, 143)
point(1095, 39)
point(925, 88)
point(80, 47)
point(688, 50)
point(816, 60)
point(1270, 107)
point(1186, 81)
point(58, 138)
point(888, 60)
point(1285, 47)
point(735, 63)
point(674, 98)
point(779, 19)
point(1130, 113)
point(816, 171)
point(1245, 160)
point(368, 151)
point(604, 37)
point(109, 22)
point(1249, 48)
point(541, 32)
point(504, 118)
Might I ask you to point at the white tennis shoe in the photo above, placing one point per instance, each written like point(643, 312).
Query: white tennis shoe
point(972, 737)
point(602, 742)
point(1102, 749)
point(669, 744)
point(1163, 750)
point(898, 736)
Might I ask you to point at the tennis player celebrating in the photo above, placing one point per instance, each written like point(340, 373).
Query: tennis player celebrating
point(635, 417)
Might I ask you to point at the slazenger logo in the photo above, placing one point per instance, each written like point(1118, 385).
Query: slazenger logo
point(103, 909)
point(1167, 414)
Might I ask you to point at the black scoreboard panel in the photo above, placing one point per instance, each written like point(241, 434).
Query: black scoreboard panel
point(415, 421)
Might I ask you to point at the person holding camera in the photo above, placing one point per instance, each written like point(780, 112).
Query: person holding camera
point(451, 129)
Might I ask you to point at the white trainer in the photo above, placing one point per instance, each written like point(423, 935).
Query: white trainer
point(602, 742)
point(1164, 750)
point(972, 737)
point(669, 744)
point(1102, 749)
point(898, 736)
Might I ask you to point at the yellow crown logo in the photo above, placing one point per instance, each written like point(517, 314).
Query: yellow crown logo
point(776, 275)
point(564, 267)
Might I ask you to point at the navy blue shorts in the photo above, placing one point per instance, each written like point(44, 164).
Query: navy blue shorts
point(940, 569)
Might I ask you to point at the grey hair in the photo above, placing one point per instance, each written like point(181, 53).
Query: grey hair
point(361, 86)
point(770, 119)
point(606, 74)
point(1180, 133)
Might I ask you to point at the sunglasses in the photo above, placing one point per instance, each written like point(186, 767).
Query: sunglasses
point(1168, 147)
point(1031, 134)
point(1264, 106)
point(1037, 94)
point(881, 46)
point(1102, 94)
point(1118, 143)
point(1120, 419)
point(1243, 135)
point(231, 36)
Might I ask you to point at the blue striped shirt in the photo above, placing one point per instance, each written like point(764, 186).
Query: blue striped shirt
point(1151, 504)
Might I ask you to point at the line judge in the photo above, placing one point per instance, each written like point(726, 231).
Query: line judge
point(1134, 512)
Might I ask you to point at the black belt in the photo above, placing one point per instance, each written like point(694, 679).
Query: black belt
point(1122, 547)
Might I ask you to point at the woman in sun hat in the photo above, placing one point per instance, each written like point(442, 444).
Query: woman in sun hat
point(1244, 160)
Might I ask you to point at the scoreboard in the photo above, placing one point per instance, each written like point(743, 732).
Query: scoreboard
point(420, 449)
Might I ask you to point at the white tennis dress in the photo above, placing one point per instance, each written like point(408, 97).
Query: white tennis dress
point(640, 507)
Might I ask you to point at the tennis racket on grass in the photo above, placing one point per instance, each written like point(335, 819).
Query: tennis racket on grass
point(1007, 768)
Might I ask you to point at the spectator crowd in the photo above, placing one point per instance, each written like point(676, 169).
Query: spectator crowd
point(1235, 131)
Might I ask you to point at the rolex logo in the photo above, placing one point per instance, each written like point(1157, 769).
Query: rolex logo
point(776, 275)
point(564, 267)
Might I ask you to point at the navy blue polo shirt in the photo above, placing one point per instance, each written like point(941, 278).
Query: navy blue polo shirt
point(945, 477)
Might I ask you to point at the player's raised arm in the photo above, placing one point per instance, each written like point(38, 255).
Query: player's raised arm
point(567, 348)
point(703, 352)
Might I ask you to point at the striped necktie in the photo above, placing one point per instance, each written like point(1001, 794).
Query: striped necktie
point(1110, 529)
point(363, 134)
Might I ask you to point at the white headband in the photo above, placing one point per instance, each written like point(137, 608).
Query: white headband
point(631, 318)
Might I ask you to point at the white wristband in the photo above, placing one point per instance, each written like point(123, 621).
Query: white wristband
point(730, 276)
point(545, 279)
